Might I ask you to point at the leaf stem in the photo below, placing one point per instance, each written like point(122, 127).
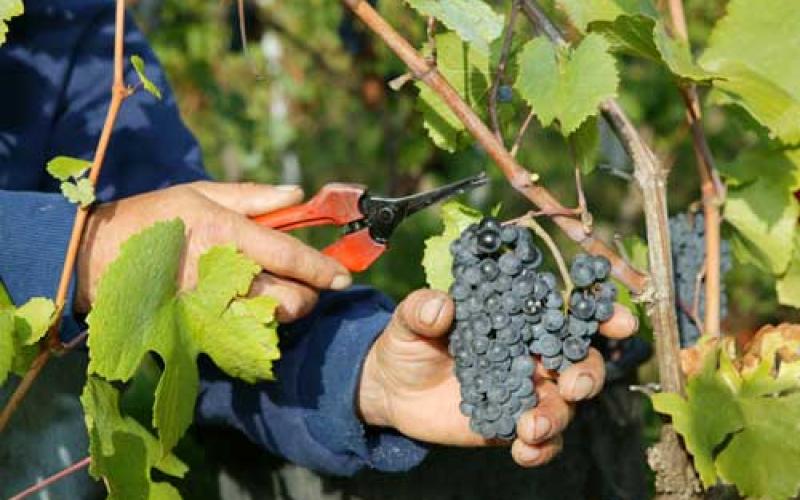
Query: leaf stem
point(119, 91)
point(44, 483)
point(518, 177)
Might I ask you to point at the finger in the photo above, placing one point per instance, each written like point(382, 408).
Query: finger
point(622, 324)
point(583, 380)
point(528, 455)
point(285, 256)
point(548, 419)
point(295, 300)
point(249, 198)
point(428, 313)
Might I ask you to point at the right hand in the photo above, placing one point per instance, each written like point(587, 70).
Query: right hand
point(214, 213)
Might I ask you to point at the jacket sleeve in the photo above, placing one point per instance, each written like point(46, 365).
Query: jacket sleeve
point(308, 414)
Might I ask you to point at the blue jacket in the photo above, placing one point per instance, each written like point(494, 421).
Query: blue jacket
point(55, 77)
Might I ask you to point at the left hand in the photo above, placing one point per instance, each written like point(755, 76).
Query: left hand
point(408, 383)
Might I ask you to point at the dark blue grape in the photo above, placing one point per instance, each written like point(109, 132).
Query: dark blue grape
point(489, 269)
point(553, 319)
point(488, 241)
point(582, 274)
point(604, 310)
point(509, 264)
point(548, 345)
point(504, 93)
point(574, 349)
point(552, 362)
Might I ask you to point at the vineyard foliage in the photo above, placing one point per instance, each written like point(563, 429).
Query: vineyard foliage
point(736, 414)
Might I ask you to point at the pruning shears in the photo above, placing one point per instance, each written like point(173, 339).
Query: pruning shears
point(368, 220)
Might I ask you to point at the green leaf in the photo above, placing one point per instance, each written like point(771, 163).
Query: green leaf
point(467, 70)
point(138, 309)
point(8, 9)
point(739, 427)
point(585, 143)
point(770, 104)
point(676, 55)
point(7, 342)
point(632, 35)
point(788, 285)
point(80, 192)
point(751, 47)
point(5, 297)
point(33, 319)
point(473, 20)
point(436, 260)
point(761, 206)
point(122, 450)
point(149, 86)
point(65, 168)
point(567, 86)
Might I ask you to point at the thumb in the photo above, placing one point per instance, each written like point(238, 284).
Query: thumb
point(249, 198)
point(426, 313)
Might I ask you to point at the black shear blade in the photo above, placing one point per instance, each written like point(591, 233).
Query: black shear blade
point(416, 202)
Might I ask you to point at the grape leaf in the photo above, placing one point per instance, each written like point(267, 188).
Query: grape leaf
point(123, 452)
point(788, 285)
point(676, 55)
point(474, 20)
point(8, 9)
point(738, 426)
point(566, 85)
point(630, 34)
point(7, 342)
point(138, 309)
point(750, 48)
point(436, 259)
point(20, 329)
point(80, 191)
point(149, 86)
point(585, 143)
point(5, 297)
point(467, 70)
point(761, 206)
point(583, 12)
point(65, 168)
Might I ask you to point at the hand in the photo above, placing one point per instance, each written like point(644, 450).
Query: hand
point(215, 213)
point(408, 382)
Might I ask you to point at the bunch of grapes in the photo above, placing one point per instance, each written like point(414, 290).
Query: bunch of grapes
point(687, 233)
point(591, 302)
point(506, 310)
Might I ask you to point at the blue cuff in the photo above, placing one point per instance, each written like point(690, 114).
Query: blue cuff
point(34, 231)
point(309, 415)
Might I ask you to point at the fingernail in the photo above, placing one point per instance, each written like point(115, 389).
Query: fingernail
point(341, 281)
point(430, 311)
point(584, 385)
point(287, 187)
point(541, 427)
point(634, 324)
point(529, 454)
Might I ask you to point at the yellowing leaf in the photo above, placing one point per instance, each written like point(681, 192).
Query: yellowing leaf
point(567, 86)
point(8, 9)
point(436, 260)
point(65, 168)
point(738, 427)
point(473, 20)
point(7, 343)
point(149, 86)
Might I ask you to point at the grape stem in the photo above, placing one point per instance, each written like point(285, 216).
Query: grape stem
point(529, 221)
point(501, 69)
point(521, 133)
point(119, 92)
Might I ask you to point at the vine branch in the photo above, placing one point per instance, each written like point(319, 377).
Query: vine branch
point(58, 476)
point(119, 91)
point(518, 177)
point(710, 194)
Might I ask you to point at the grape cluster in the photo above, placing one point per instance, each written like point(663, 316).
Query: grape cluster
point(502, 304)
point(687, 233)
point(591, 302)
point(507, 309)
